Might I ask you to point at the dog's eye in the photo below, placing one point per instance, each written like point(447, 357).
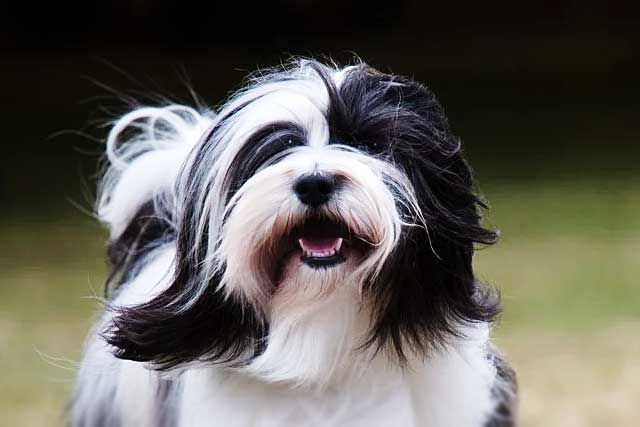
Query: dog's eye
point(368, 146)
point(374, 147)
point(277, 147)
point(286, 141)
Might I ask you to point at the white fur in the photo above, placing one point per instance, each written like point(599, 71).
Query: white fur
point(129, 387)
point(146, 165)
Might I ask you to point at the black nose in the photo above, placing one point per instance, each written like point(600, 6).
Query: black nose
point(314, 189)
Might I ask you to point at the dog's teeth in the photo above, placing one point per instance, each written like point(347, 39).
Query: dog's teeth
point(320, 254)
point(310, 253)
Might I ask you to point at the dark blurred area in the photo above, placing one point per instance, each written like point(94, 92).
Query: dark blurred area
point(536, 91)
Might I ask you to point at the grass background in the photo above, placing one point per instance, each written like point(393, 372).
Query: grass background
point(567, 267)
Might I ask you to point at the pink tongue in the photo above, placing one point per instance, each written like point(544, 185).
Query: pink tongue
point(319, 245)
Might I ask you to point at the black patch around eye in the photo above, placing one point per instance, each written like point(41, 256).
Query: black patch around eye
point(374, 147)
point(427, 286)
point(366, 146)
point(265, 147)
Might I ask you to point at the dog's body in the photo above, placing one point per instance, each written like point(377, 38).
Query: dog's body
point(302, 258)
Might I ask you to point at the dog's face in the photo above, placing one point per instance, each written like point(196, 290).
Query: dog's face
point(327, 214)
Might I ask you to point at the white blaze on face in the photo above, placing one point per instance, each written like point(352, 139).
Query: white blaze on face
point(265, 210)
point(316, 317)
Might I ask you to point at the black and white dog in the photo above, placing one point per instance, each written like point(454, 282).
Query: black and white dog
point(300, 257)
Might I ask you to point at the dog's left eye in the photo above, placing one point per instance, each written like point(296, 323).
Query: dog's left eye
point(368, 146)
point(373, 147)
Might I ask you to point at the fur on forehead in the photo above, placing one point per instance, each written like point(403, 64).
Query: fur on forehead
point(407, 176)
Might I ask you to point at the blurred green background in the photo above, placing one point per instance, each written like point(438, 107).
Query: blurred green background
point(545, 98)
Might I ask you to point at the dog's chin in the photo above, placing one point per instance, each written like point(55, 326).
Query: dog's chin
point(316, 317)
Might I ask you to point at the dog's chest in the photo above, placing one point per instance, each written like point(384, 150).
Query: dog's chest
point(446, 396)
point(243, 403)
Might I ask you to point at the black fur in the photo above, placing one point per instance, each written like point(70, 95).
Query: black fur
point(264, 148)
point(505, 392)
point(146, 231)
point(427, 286)
point(425, 289)
point(212, 329)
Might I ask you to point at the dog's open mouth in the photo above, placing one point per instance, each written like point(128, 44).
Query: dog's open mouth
point(320, 249)
point(322, 243)
point(318, 243)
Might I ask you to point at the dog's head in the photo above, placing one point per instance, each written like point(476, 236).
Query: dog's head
point(326, 214)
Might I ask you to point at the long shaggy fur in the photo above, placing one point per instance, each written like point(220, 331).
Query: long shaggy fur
point(208, 283)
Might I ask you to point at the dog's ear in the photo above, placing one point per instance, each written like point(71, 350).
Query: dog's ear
point(193, 319)
point(178, 327)
point(427, 287)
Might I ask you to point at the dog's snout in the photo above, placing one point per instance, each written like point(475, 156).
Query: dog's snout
point(314, 189)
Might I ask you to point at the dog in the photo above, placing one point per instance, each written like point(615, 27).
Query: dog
point(302, 256)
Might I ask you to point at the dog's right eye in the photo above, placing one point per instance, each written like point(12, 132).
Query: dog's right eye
point(274, 139)
point(287, 141)
point(280, 143)
point(264, 148)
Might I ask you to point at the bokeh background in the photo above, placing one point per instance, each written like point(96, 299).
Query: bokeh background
point(545, 97)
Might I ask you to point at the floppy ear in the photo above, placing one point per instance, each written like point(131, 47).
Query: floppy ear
point(192, 320)
point(170, 330)
point(427, 286)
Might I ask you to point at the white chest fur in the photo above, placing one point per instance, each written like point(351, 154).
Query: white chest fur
point(451, 388)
